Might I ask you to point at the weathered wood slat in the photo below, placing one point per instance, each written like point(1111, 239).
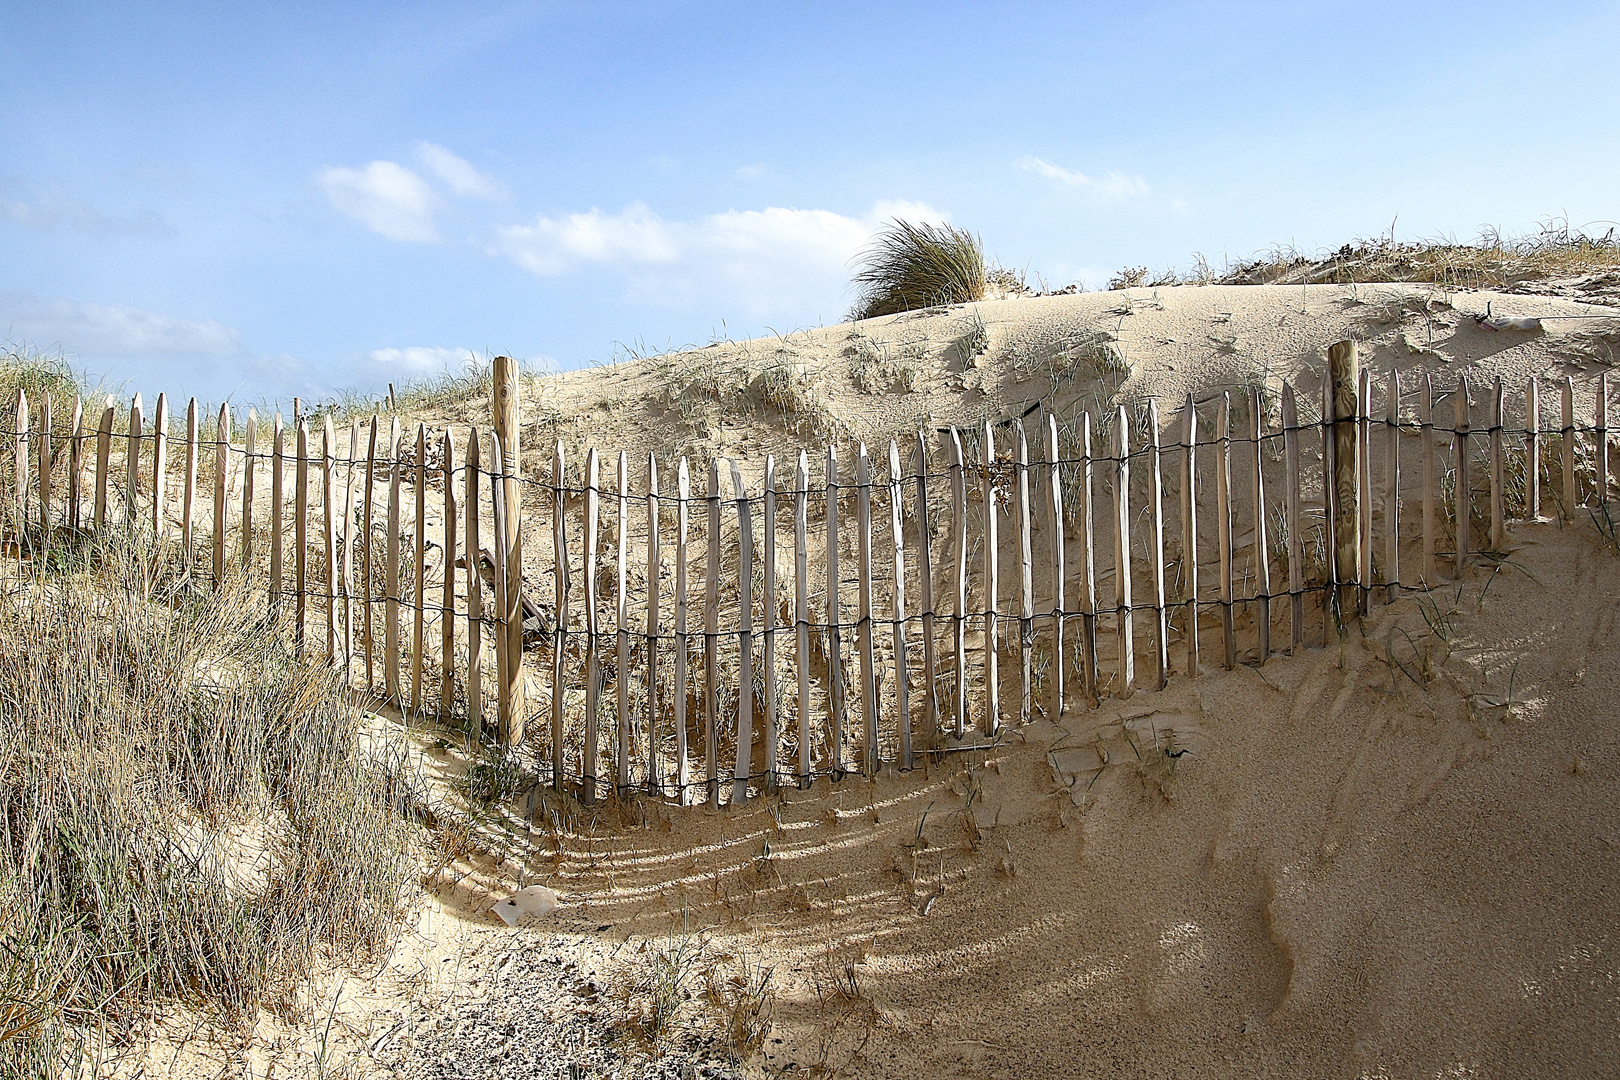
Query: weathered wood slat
point(278, 466)
point(188, 503)
point(925, 582)
point(622, 629)
point(504, 398)
point(559, 636)
point(103, 465)
point(1125, 621)
point(250, 466)
point(1088, 600)
point(711, 630)
point(1262, 552)
point(447, 615)
point(1463, 492)
point(1223, 527)
point(683, 495)
point(801, 610)
point(348, 550)
point(300, 535)
point(1296, 546)
point(745, 639)
point(1430, 522)
point(1059, 569)
point(870, 756)
point(1532, 450)
point(990, 723)
point(222, 479)
point(959, 549)
point(132, 461)
point(45, 449)
point(1343, 407)
point(1600, 439)
point(20, 463)
point(835, 630)
point(419, 565)
point(655, 782)
point(1498, 525)
point(1189, 526)
point(474, 583)
point(76, 465)
point(1364, 488)
point(160, 466)
point(329, 519)
point(369, 592)
point(772, 618)
point(1392, 486)
point(1161, 614)
point(1026, 573)
point(497, 491)
point(593, 645)
point(1566, 446)
point(391, 601)
point(902, 676)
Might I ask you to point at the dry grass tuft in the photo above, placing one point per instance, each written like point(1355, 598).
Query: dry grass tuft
point(910, 266)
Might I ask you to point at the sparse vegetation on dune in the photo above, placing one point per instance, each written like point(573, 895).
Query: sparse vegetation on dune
point(910, 266)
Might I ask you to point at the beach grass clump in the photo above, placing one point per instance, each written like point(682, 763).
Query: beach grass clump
point(188, 812)
point(909, 266)
point(40, 376)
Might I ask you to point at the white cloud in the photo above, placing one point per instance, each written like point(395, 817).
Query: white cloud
point(46, 206)
point(386, 198)
point(417, 359)
point(777, 259)
point(458, 173)
point(752, 172)
point(111, 330)
point(1115, 187)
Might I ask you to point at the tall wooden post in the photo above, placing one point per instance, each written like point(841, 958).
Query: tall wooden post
point(509, 707)
point(1344, 373)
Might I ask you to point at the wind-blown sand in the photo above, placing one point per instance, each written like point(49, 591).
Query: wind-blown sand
point(1350, 871)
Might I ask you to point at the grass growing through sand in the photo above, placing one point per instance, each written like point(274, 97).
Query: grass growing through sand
point(910, 266)
point(190, 814)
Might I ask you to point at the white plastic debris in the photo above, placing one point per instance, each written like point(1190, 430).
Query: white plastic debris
point(530, 902)
point(1505, 322)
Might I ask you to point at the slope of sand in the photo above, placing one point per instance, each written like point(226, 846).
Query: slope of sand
point(1398, 856)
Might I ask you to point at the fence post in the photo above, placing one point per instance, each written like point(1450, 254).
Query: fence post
point(419, 586)
point(390, 570)
point(132, 461)
point(1532, 450)
point(745, 639)
point(45, 469)
point(1088, 616)
point(711, 632)
point(1054, 491)
point(621, 632)
point(1189, 525)
point(1364, 488)
point(1125, 620)
point(1567, 446)
point(655, 782)
point(507, 430)
point(959, 542)
point(475, 588)
point(683, 495)
point(1600, 438)
point(863, 627)
point(593, 663)
point(801, 603)
point(1430, 525)
point(897, 532)
point(1498, 530)
point(369, 581)
point(1344, 374)
point(559, 554)
point(222, 465)
point(1296, 547)
point(278, 470)
point(160, 463)
point(1161, 618)
point(329, 520)
point(1223, 526)
point(301, 533)
point(447, 617)
point(1462, 494)
point(835, 632)
point(103, 455)
point(75, 464)
point(992, 544)
point(925, 579)
point(1026, 576)
point(189, 497)
point(771, 614)
point(1392, 487)
point(20, 462)
point(249, 467)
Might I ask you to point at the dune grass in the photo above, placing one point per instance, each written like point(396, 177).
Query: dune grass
point(188, 813)
point(910, 266)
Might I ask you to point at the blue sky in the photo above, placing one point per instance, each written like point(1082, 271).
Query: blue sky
point(257, 201)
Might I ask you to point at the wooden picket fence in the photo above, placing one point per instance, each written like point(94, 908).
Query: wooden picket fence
point(729, 662)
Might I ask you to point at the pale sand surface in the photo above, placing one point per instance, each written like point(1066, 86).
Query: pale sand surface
point(1346, 874)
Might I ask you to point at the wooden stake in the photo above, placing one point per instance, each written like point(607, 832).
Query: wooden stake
point(1088, 605)
point(1392, 486)
point(1189, 525)
point(391, 624)
point(369, 593)
point(103, 453)
point(418, 612)
point(222, 464)
point(991, 723)
point(1026, 574)
point(683, 493)
point(593, 646)
point(745, 639)
point(1567, 447)
point(622, 630)
point(1429, 520)
point(300, 534)
point(1600, 436)
point(902, 677)
point(508, 429)
point(250, 466)
point(76, 464)
point(1054, 490)
point(45, 468)
point(559, 641)
point(655, 782)
point(1364, 488)
point(835, 632)
point(870, 756)
point(328, 507)
point(925, 580)
point(1161, 614)
point(20, 462)
point(1223, 524)
point(1463, 493)
point(447, 617)
point(498, 504)
point(1532, 465)
point(132, 460)
point(475, 589)
point(160, 465)
point(1344, 374)
point(1498, 533)
point(1124, 619)
point(348, 551)
point(1296, 547)
point(801, 610)
point(711, 630)
point(278, 467)
point(772, 737)
point(959, 544)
